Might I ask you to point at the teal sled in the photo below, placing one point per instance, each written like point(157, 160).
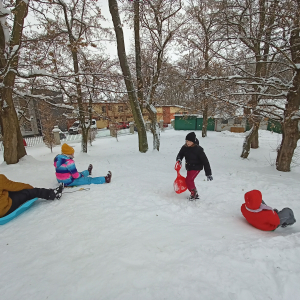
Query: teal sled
point(17, 212)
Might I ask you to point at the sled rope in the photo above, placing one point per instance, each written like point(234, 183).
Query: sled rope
point(81, 189)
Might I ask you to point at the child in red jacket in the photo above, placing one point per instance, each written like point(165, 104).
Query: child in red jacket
point(262, 216)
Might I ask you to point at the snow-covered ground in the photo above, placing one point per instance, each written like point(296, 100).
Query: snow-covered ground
point(136, 239)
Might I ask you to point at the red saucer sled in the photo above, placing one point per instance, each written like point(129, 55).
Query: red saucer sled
point(179, 183)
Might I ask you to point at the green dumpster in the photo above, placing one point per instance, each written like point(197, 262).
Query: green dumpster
point(210, 124)
point(185, 122)
point(274, 126)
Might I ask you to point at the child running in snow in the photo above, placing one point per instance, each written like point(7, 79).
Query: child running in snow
point(67, 173)
point(14, 194)
point(264, 217)
point(195, 160)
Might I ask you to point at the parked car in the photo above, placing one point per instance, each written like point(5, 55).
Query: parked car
point(62, 136)
point(124, 125)
point(75, 128)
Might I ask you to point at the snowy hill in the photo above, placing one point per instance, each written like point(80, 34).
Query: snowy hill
point(136, 239)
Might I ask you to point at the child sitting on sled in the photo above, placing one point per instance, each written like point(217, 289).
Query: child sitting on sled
point(14, 194)
point(67, 173)
point(262, 216)
point(195, 160)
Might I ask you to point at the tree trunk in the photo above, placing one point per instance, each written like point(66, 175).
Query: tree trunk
point(12, 138)
point(150, 107)
point(138, 60)
point(84, 139)
point(133, 100)
point(255, 140)
point(290, 136)
point(155, 130)
point(205, 121)
point(290, 131)
point(248, 139)
point(84, 130)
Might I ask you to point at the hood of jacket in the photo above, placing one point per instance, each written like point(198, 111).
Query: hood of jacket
point(253, 199)
point(61, 159)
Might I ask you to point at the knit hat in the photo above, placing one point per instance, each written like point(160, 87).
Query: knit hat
point(253, 199)
point(66, 149)
point(191, 137)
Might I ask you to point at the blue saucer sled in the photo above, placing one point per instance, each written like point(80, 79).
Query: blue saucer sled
point(17, 212)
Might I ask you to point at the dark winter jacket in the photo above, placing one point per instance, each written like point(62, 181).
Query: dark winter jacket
point(258, 214)
point(195, 158)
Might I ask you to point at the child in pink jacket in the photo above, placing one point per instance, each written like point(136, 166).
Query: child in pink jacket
point(67, 173)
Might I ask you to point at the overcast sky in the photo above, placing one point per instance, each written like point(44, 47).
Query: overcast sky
point(128, 34)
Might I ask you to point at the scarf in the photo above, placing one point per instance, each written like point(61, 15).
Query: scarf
point(262, 207)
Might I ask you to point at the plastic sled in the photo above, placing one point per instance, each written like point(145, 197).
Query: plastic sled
point(179, 183)
point(17, 212)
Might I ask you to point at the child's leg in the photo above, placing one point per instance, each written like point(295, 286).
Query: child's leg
point(286, 217)
point(191, 175)
point(20, 197)
point(87, 180)
point(85, 173)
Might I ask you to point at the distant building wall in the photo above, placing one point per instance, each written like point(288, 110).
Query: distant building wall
point(226, 124)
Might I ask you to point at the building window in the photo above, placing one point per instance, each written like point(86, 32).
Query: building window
point(120, 108)
point(109, 107)
point(237, 121)
point(104, 109)
point(224, 121)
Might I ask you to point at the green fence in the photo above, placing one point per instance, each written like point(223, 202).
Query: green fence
point(192, 123)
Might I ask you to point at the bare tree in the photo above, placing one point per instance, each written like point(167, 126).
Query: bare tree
point(291, 119)
point(10, 45)
point(48, 122)
point(133, 99)
point(253, 24)
point(161, 22)
point(71, 30)
point(203, 35)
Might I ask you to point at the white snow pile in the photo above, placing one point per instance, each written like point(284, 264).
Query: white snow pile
point(135, 238)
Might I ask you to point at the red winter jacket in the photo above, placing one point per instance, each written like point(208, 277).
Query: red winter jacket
point(266, 220)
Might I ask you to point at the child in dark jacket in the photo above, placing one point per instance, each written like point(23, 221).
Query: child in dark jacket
point(67, 173)
point(262, 216)
point(14, 194)
point(195, 160)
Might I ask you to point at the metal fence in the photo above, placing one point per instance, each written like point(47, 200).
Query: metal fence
point(38, 140)
point(33, 141)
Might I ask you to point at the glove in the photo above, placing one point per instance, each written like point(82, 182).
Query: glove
point(209, 178)
point(179, 161)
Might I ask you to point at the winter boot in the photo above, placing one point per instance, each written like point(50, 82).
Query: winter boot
point(58, 191)
point(90, 168)
point(194, 195)
point(108, 177)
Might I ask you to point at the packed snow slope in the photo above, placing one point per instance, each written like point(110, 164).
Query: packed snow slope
point(135, 238)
